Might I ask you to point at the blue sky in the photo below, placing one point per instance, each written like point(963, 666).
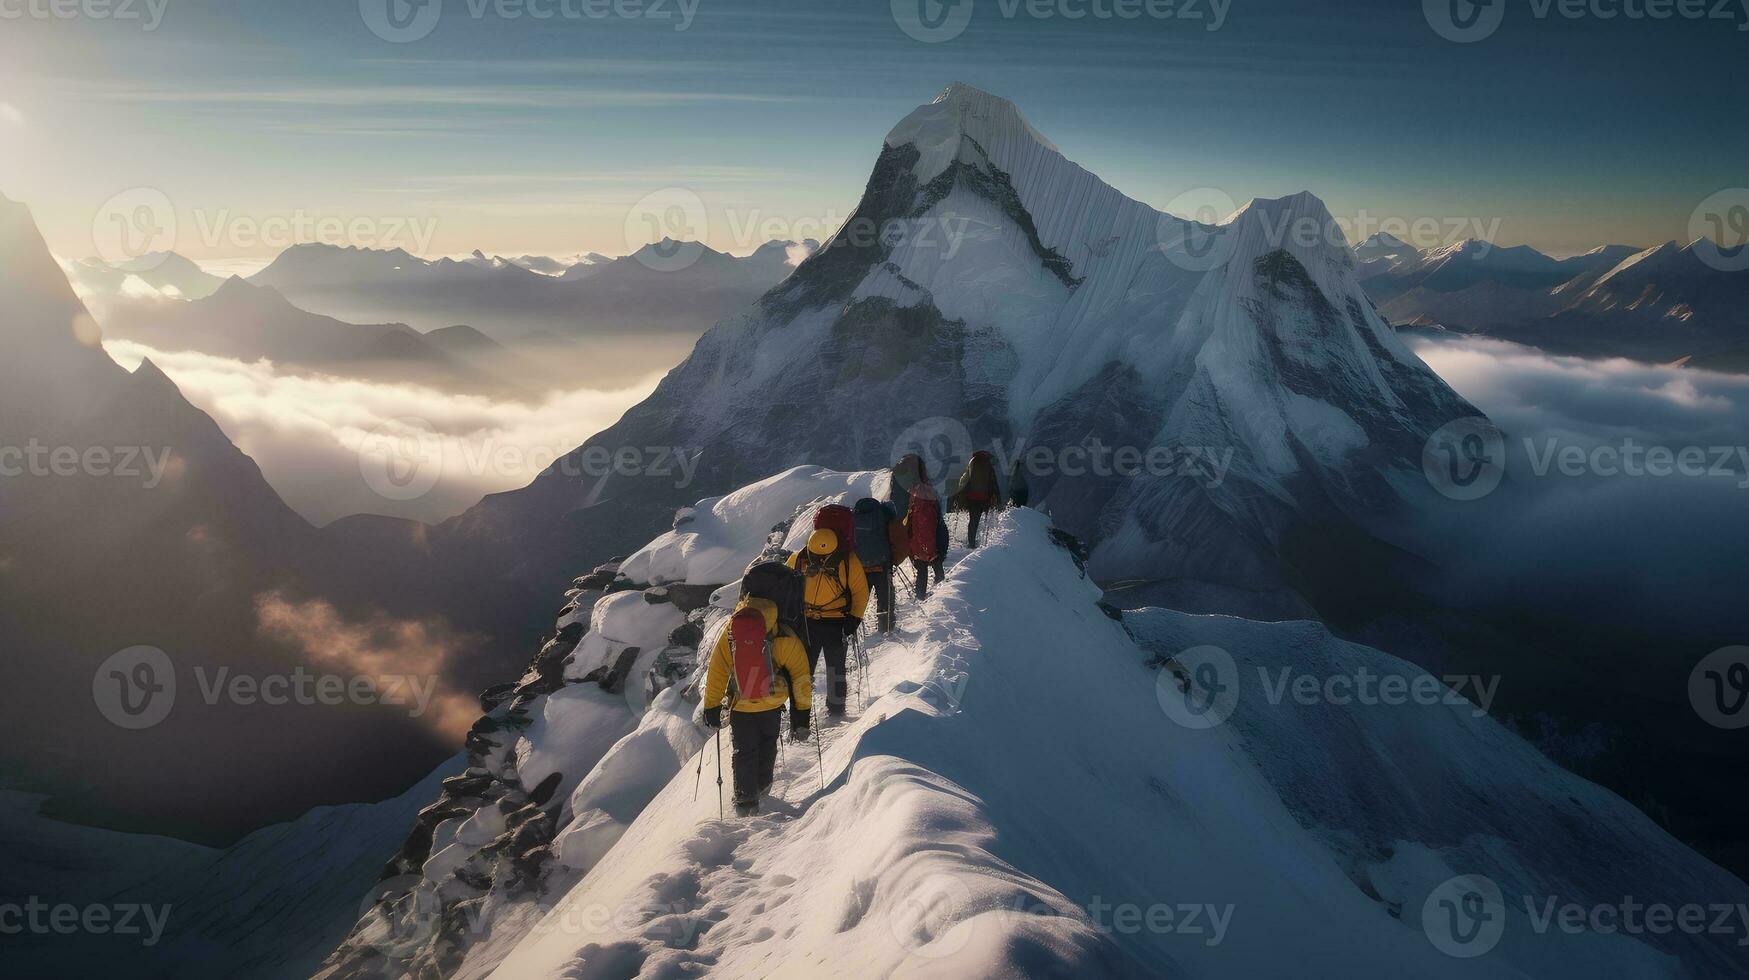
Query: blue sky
point(513, 133)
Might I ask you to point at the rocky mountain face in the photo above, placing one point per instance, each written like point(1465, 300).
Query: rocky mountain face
point(989, 292)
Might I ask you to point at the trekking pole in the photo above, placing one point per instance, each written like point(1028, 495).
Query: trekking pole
point(720, 772)
point(820, 756)
point(698, 777)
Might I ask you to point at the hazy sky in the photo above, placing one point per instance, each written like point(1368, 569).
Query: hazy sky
point(265, 120)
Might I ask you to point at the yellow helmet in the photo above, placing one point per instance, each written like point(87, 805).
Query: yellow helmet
point(823, 542)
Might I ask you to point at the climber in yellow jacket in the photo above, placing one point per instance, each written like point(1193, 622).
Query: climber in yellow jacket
point(767, 665)
point(834, 600)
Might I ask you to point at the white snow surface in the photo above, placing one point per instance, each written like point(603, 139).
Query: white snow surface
point(713, 541)
point(1010, 780)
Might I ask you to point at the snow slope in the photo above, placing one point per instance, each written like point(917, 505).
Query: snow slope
point(1012, 796)
point(573, 752)
point(993, 810)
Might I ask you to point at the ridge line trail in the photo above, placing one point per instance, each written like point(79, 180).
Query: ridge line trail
point(728, 862)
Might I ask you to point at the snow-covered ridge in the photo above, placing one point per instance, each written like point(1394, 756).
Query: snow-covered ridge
point(988, 809)
point(568, 755)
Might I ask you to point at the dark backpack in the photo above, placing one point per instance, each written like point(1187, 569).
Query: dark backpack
point(783, 585)
point(871, 533)
point(921, 519)
point(838, 519)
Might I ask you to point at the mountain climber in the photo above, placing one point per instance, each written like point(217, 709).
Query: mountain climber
point(927, 536)
point(926, 551)
point(977, 493)
point(907, 473)
point(874, 548)
point(835, 597)
point(759, 665)
point(1018, 492)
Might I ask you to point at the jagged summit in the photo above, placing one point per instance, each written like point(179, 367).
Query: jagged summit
point(961, 111)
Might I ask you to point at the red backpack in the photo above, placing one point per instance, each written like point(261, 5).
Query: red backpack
point(898, 541)
point(840, 520)
point(750, 651)
point(922, 517)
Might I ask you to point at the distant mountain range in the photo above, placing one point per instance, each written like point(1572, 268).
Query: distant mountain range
point(155, 275)
point(1656, 304)
point(249, 322)
point(665, 287)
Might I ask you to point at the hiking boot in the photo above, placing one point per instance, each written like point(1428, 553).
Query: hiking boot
point(835, 711)
point(747, 808)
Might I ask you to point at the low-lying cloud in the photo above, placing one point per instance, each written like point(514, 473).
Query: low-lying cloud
point(1626, 494)
point(408, 663)
point(314, 436)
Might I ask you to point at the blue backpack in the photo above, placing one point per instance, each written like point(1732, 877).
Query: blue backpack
point(872, 518)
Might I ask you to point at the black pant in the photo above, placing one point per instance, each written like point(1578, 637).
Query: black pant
point(922, 568)
point(755, 757)
point(974, 517)
point(880, 586)
point(827, 636)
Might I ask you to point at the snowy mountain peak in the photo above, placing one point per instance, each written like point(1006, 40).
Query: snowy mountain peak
point(1384, 239)
point(958, 113)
